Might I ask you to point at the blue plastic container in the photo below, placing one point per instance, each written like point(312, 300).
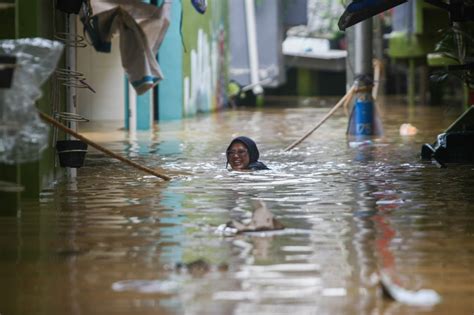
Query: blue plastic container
point(364, 117)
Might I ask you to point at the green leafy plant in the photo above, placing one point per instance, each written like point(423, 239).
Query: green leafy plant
point(457, 45)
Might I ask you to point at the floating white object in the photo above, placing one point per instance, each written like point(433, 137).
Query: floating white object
point(423, 297)
point(408, 130)
point(146, 286)
point(334, 292)
point(225, 230)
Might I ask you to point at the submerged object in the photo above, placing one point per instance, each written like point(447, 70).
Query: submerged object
point(456, 144)
point(359, 10)
point(364, 120)
point(262, 220)
point(363, 115)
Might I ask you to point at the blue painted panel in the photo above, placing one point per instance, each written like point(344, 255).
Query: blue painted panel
point(144, 111)
point(127, 113)
point(170, 58)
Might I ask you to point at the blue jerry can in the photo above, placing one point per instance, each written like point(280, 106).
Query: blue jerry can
point(364, 117)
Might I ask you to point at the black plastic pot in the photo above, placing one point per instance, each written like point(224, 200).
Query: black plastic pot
point(7, 67)
point(71, 153)
point(69, 6)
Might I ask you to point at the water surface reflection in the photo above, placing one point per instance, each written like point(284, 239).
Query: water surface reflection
point(110, 241)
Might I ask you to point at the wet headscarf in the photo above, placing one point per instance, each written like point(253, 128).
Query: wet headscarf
point(252, 151)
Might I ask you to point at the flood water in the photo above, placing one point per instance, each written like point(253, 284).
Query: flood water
point(112, 240)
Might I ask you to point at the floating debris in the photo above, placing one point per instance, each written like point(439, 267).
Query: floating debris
point(146, 286)
point(226, 230)
point(262, 220)
point(334, 292)
point(408, 130)
point(423, 297)
point(358, 144)
point(200, 267)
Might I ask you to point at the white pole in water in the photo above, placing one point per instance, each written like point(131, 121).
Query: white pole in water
point(363, 48)
point(71, 65)
point(363, 113)
point(252, 46)
point(132, 112)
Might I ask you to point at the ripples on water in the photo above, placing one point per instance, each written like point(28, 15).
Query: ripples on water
point(109, 241)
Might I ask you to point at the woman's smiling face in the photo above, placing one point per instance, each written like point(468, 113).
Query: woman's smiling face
point(238, 156)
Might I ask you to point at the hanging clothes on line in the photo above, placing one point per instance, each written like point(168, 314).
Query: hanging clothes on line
point(141, 28)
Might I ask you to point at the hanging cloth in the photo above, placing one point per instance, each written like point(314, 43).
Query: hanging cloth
point(141, 27)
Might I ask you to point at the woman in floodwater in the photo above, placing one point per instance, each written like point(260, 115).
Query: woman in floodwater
point(242, 155)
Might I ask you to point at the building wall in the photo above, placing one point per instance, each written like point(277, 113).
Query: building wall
point(205, 62)
point(269, 33)
point(192, 57)
point(105, 74)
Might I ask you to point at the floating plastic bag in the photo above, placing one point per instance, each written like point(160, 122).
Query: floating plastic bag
point(23, 136)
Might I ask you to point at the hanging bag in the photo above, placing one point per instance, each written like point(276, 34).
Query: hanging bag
point(200, 5)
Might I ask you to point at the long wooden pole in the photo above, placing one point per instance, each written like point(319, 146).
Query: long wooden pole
point(56, 123)
point(377, 76)
point(329, 114)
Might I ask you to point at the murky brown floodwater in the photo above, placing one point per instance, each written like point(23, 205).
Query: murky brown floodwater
point(108, 242)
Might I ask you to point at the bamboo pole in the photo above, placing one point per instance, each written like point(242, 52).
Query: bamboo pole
point(59, 125)
point(378, 74)
point(345, 105)
point(349, 94)
point(378, 65)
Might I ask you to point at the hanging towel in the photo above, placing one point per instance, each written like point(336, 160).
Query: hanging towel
point(141, 28)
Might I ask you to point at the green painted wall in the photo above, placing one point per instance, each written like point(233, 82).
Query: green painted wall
point(212, 54)
point(192, 22)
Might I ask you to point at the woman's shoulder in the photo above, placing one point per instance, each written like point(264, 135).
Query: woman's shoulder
point(256, 166)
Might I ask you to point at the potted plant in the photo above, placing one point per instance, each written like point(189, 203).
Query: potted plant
point(71, 153)
point(455, 51)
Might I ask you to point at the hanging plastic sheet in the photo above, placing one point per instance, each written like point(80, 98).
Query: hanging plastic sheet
point(360, 10)
point(142, 28)
point(23, 136)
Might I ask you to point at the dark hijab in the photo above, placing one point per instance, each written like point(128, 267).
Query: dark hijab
point(252, 149)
